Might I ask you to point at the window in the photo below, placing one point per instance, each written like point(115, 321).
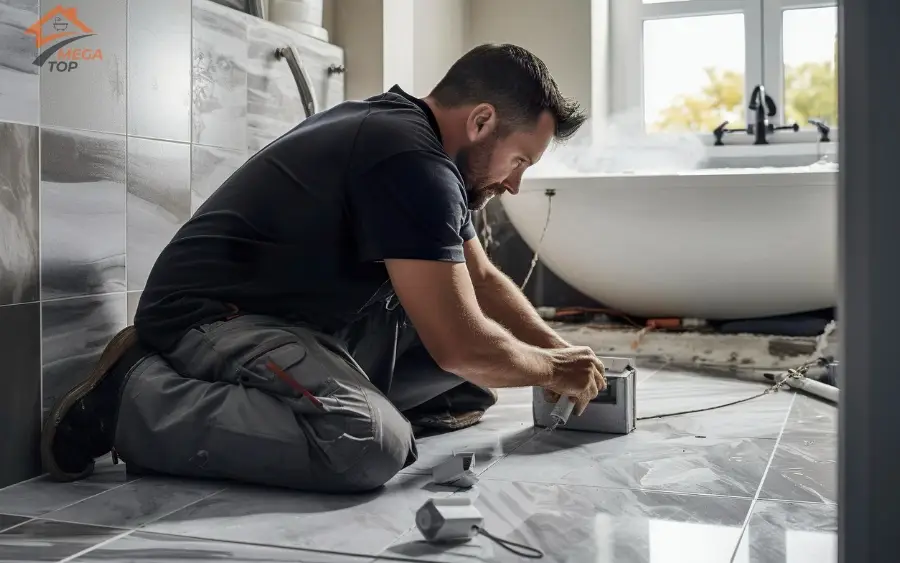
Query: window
point(687, 85)
point(700, 59)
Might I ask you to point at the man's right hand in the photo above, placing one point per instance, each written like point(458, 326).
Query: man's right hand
point(577, 373)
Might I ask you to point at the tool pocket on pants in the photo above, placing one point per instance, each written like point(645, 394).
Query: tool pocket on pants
point(283, 366)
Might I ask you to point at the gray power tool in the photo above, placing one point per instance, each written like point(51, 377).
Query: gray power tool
point(611, 412)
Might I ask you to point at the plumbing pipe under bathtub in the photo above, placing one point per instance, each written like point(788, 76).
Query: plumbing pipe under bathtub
point(806, 383)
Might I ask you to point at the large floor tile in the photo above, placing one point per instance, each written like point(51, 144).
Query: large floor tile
point(219, 76)
point(75, 332)
point(804, 468)
point(782, 532)
point(811, 415)
point(82, 213)
point(20, 85)
point(575, 524)
point(505, 426)
point(40, 496)
point(7, 521)
point(137, 503)
point(363, 524)
point(42, 540)
point(673, 392)
point(153, 548)
point(640, 460)
point(19, 191)
point(20, 401)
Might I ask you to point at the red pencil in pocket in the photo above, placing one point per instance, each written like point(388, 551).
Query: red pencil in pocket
point(284, 376)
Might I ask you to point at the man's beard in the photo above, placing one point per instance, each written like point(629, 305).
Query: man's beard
point(473, 163)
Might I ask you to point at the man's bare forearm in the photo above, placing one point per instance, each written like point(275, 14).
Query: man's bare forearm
point(502, 301)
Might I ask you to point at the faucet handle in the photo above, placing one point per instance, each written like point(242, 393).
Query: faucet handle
point(719, 132)
point(823, 129)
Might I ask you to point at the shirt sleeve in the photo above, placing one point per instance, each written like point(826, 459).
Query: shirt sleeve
point(410, 206)
point(468, 231)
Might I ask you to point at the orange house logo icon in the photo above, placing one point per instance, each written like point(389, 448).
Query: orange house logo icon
point(57, 29)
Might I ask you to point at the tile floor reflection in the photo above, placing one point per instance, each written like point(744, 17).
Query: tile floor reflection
point(754, 483)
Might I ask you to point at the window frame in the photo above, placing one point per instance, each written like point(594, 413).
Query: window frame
point(764, 51)
point(773, 33)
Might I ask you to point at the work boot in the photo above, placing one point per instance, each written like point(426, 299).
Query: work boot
point(82, 424)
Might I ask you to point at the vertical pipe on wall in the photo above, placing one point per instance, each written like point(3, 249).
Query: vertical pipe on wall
point(869, 506)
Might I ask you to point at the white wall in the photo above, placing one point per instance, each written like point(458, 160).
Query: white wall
point(414, 42)
point(557, 31)
point(441, 30)
point(356, 25)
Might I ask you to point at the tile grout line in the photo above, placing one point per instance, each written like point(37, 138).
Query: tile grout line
point(762, 480)
point(42, 516)
point(22, 523)
point(170, 513)
point(93, 547)
point(654, 372)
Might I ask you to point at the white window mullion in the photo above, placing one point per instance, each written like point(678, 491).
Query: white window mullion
point(773, 58)
point(754, 71)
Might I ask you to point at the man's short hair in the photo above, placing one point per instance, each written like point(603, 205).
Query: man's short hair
point(514, 81)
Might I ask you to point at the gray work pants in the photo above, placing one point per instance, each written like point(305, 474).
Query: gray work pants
point(259, 400)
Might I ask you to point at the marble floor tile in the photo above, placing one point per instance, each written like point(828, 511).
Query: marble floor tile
point(210, 167)
point(161, 548)
point(91, 95)
point(804, 468)
point(20, 400)
point(811, 415)
point(158, 204)
point(7, 521)
point(505, 426)
point(159, 69)
point(310, 521)
point(20, 85)
point(671, 392)
point(19, 191)
point(40, 496)
point(219, 70)
point(137, 503)
point(783, 532)
point(640, 460)
point(42, 540)
point(82, 213)
point(575, 524)
point(74, 334)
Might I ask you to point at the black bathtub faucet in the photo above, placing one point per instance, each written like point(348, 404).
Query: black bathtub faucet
point(763, 107)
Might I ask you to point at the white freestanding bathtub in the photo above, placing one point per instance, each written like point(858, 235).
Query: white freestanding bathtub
point(712, 244)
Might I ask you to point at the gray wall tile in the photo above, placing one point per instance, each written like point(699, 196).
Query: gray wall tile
point(159, 201)
point(134, 297)
point(19, 76)
point(82, 213)
point(74, 334)
point(19, 226)
point(159, 69)
point(210, 167)
point(92, 95)
point(219, 97)
point(20, 401)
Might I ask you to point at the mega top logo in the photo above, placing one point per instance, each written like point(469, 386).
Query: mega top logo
point(54, 35)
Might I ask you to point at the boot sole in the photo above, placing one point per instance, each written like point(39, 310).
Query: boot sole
point(113, 352)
